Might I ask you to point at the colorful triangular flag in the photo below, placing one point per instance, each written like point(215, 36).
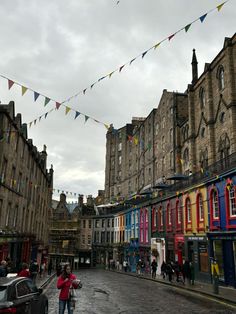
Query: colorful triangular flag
point(23, 90)
point(68, 109)
point(155, 47)
point(10, 84)
point(202, 18)
point(92, 85)
point(46, 101)
point(84, 91)
point(58, 105)
point(86, 118)
point(171, 36)
point(77, 113)
point(187, 27)
point(120, 69)
point(36, 95)
point(30, 124)
point(143, 54)
point(107, 126)
point(110, 74)
point(219, 7)
point(132, 61)
point(102, 78)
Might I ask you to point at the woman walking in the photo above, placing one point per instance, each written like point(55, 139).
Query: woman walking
point(65, 282)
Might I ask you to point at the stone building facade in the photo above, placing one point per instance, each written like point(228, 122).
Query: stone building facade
point(185, 134)
point(25, 191)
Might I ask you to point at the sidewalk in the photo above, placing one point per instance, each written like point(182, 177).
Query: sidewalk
point(226, 294)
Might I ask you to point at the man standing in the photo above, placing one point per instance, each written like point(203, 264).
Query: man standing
point(154, 268)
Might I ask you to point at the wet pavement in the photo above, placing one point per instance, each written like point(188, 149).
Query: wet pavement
point(107, 292)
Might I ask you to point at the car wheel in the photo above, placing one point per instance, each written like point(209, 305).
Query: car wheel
point(45, 309)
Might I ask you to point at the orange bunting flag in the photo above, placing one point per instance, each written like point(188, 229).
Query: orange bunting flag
point(10, 84)
point(23, 90)
point(219, 7)
point(68, 109)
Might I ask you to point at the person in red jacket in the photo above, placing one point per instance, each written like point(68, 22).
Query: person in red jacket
point(25, 271)
point(64, 283)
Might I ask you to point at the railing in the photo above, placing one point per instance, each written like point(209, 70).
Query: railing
point(215, 169)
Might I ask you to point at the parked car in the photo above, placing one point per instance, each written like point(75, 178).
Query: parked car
point(19, 295)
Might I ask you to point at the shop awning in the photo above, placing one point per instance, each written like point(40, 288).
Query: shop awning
point(178, 177)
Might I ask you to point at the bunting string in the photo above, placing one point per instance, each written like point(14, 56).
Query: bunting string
point(143, 54)
point(47, 99)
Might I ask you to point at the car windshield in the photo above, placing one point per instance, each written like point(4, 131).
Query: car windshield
point(3, 294)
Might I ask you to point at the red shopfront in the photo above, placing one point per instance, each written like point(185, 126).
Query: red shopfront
point(179, 248)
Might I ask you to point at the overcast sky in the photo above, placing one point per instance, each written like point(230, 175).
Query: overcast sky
point(59, 47)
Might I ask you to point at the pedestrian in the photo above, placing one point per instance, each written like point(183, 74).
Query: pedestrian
point(138, 267)
point(163, 269)
point(34, 269)
point(143, 267)
point(192, 273)
point(25, 271)
point(169, 271)
point(177, 270)
point(41, 269)
point(186, 271)
point(125, 265)
point(154, 268)
point(50, 268)
point(3, 268)
point(65, 282)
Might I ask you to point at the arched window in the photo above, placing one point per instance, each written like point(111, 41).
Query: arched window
point(224, 149)
point(146, 215)
point(200, 208)
point(186, 158)
point(232, 201)
point(178, 213)
point(202, 97)
point(220, 76)
point(215, 205)
point(154, 217)
point(160, 217)
point(168, 215)
point(188, 211)
point(136, 220)
point(203, 159)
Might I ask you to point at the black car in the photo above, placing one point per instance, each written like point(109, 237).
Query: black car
point(19, 295)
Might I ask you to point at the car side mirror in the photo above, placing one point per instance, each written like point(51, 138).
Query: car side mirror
point(40, 290)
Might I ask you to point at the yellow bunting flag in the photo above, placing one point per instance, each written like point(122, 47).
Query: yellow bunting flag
point(157, 45)
point(23, 90)
point(68, 109)
point(219, 7)
point(107, 126)
point(110, 74)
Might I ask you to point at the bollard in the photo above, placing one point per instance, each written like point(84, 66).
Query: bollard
point(216, 284)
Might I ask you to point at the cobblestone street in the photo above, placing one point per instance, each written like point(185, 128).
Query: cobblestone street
point(108, 292)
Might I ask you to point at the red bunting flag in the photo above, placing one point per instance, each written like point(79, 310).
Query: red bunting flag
point(10, 84)
point(171, 36)
point(58, 105)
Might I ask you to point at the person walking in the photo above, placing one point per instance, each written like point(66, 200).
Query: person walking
point(24, 271)
point(154, 269)
point(65, 282)
point(192, 273)
point(34, 269)
point(50, 268)
point(163, 269)
point(3, 268)
point(186, 271)
point(169, 271)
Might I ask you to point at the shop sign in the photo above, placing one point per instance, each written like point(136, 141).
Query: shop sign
point(179, 239)
point(202, 248)
point(196, 238)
